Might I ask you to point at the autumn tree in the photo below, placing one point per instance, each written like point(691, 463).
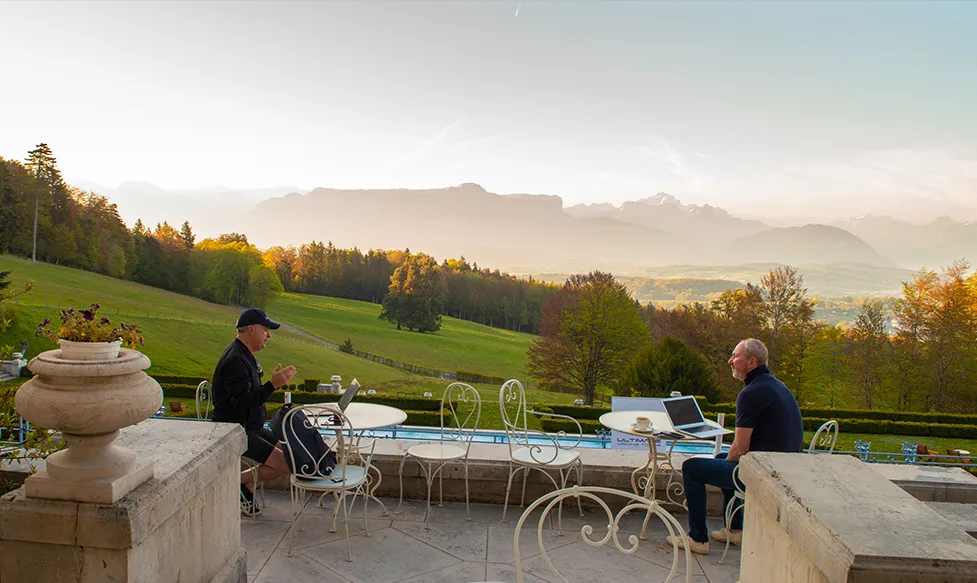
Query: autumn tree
point(589, 330)
point(788, 314)
point(263, 286)
point(415, 298)
point(824, 370)
point(868, 352)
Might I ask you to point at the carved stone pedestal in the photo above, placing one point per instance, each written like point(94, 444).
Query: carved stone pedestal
point(181, 525)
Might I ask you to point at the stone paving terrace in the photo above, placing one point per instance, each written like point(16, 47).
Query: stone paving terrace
point(401, 550)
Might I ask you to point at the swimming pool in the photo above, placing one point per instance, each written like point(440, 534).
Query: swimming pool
point(490, 436)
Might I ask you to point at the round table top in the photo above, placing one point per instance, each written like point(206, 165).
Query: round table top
point(371, 415)
point(622, 420)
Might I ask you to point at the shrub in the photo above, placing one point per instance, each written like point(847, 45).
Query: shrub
point(311, 384)
point(347, 346)
point(659, 368)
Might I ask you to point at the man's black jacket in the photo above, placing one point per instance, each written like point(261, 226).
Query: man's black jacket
point(239, 396)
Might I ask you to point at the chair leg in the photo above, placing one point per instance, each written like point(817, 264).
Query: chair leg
point(366, 500)
point(522, 500)
point(349, 556)
point(508, 487)
point(427, 513)
point(339, 500)
point(730, 512)
point(468, 510)
point(441, 487)
point(296, 509)
point(579, 483)
point(400, 475)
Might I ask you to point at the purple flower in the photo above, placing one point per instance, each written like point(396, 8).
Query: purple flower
point(46, 321)
point(104, 321)
point(88, 314)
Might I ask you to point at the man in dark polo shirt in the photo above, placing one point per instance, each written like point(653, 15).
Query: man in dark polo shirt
point(239, 397)
point(767, 419)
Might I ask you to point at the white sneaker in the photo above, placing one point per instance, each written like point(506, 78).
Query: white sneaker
point(735, 536)
point(694, 546)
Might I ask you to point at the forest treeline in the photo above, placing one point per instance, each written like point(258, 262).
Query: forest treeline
point(83, 229)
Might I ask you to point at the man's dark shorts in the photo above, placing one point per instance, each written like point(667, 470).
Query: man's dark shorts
point(260, 445)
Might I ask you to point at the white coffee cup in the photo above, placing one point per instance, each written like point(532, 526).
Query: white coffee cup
point(642, 423)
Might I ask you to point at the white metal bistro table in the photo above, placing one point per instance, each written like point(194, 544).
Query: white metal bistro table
point(643, 478)
point(364, 417)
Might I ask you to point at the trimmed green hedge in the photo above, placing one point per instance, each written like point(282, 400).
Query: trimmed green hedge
point(884, 426)
point(861, 414)
point(171, 379)
point(474, 377)
point(177, 391)
point(311, 385)
point(554, 425)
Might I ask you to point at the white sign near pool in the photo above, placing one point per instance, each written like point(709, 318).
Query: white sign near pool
point(621, 440)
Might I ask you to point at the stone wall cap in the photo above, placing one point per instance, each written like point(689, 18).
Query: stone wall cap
point(839, 502)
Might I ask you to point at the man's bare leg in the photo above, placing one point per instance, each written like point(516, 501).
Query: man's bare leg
point(273, 467)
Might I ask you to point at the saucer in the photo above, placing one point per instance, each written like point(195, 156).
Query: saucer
point(634, 427)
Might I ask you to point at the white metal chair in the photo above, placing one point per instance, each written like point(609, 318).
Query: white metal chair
point(825, 437)
point(542, 451)
point(203, 400)
point(308, 475)
point(739, 493)
point(633, 503)
point(461, 408)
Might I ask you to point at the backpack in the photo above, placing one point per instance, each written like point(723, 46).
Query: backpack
point(310, 447)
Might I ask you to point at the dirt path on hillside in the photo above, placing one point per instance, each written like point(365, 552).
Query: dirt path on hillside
point(316, 339)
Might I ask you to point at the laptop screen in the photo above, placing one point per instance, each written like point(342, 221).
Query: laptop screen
point(683, 411)
point(348, 395)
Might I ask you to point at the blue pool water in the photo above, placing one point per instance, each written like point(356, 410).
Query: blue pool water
point(488, 436)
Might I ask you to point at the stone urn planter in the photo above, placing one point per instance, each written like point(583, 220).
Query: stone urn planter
point(88, 393)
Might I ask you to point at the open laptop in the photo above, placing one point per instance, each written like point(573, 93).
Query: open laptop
point(348, 395)
point(686, 418)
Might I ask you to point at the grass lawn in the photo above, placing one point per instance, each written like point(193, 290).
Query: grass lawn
point(203, 329)
point(459, 345)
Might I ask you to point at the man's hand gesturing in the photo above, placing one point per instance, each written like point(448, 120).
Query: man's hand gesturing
point(281, 376)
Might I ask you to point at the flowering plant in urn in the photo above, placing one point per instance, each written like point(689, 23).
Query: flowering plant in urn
point(88, 390)
point(87, 326)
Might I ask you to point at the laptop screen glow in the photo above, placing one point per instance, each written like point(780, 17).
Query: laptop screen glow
point(683, 411)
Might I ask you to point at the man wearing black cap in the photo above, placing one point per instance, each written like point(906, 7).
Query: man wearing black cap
point(239, 397)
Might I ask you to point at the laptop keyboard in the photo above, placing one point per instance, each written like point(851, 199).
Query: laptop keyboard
point(694, 428)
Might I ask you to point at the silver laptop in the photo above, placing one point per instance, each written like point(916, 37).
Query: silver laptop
point(348, 395)
point(686, 417)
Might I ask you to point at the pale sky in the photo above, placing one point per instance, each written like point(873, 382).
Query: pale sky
point(827, 109)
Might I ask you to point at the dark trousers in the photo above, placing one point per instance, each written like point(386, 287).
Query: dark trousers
point(696, 473)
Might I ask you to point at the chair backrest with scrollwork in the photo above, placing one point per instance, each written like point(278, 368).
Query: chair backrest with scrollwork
point(613, 535)
point(512, 407)
point(825, 438)
point(461, 410)
point(203, 399)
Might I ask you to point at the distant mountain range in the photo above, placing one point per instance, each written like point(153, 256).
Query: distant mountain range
point(526, 233)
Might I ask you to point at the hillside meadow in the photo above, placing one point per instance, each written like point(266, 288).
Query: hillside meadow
point(185, 335)
point(459, 345)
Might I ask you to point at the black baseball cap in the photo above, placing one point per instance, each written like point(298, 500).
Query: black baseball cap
point(253, 316)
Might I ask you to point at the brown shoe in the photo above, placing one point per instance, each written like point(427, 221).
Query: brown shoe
point(694, 546)
point(735, 536)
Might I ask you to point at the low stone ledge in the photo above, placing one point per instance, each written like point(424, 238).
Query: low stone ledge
point(834, 519)
point(962, 515)
point(932, 483)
